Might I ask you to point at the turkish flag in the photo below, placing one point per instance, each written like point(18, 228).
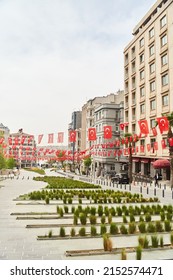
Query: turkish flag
point(22, 140)
point(148, 147)
point(50, 138)
point(9, 140)
point(16, 141)
point(155, 146)
point(60, 137)
point(107, 132)
point(122, 126)
point(163, 124)
point(72, 135)
point(154, 131)
point(170, 142)
point(92, 134)
point(142, 149)
point(1, 141)
point(163, 144)
point(143, 124)
point(30, 138)
point(135, 138)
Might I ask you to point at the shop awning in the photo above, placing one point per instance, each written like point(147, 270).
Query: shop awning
point(144, 160)
point(161, 163)
point(135, 159)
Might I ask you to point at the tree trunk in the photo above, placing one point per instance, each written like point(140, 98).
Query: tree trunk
point(130, 165)
point(170, 135)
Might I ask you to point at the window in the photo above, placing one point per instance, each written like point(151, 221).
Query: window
point(153, 104)
point(142, 108)
point(142, 142)
point(142, 75)
point(141, 43)
point(116, 128)
point(152, 123)
point(133, 67)
point(165, 100)
point(153, 140)
point(163, 40)
point(141, 58)
point(133, 52)
point(152, 86)
point(151, 50)
point(126, 87)
point(142, 92)
point(164, 59)
point(126, 58)
point(163, 21)
point(152, 68)
point(165, 80)
point(133, 82)
point(151, 33)
point(133, 114)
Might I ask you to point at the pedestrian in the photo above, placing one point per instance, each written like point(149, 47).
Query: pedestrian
point(156, 177)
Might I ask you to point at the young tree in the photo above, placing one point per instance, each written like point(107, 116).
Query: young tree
point(2, 161)
point(11, 163)
point(170, 136)
point(87, 163)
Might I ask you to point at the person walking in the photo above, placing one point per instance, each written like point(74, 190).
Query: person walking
point(156, 177)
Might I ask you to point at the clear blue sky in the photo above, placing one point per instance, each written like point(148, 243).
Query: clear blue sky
point(57, 54)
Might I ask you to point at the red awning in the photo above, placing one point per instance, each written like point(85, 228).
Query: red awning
point(161, 163)
point(135, 159)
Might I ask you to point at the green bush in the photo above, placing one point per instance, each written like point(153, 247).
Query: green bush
point(147, 217)
point(83, 218)
point(70, 200)
point(159, 226)
point(93, 219)
point(103, 219)
point(169, 216)
point(146, 242)
point(125, 219)
point(47, 200)
point(93, 211)
point(72, 232)
point(151, 227)
point(65, 209)
point(132, 218)
point(50, 234)
point(75, 220)
point(123, 254)
point(113, 228)
point(123, 229)
point(62, 232)
point(109, 219)
point(93, 231)
point(139, 253)
point(100, 210)
point(162, 216)
point(82, 231)
point(61, 212)
point(132, 228)
point(142, 227)
point(161, 241)
point(154, 241)
point(167, 225)
point(112, 211)
point(103, 229)
point(171, 238)
point(107, 243)
point(141, 218)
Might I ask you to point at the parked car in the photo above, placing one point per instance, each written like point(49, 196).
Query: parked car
point(120, 178)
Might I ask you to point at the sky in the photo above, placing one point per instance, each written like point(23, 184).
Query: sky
point(57, 54)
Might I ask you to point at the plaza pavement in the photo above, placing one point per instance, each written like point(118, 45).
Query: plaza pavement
point(20, 243)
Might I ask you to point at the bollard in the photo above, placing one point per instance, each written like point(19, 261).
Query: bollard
point(125, 186)
point(163, 193)
point(140, 189)
point(155, 192)
point(147, 190)
point(165, 186)
point(129, 187)
point(121, 186)
point(117, 185)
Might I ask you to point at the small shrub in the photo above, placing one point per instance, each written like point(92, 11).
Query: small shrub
point(119, 211)
point(103, 229)
point(161, 241)
point(47, 200)
point(66, 209)
point(93, 211)
point(107, 243)
point(147, 217)
point(141, 241)
point(103, 219)
point(154, 241)
point(70, 200)
point(141, 218)
point(139, 253)
point(171, 238)
point(123, 254)
point(142, 227)
point(112, 211)
point(72, 232)
point(146, 242)
point(83, 218)
point(93, 231)
point(93, 219)
point(109, 219)
point(159, 226)
point(61, 212)
point(100, 210)
point(125, 219)
point(167, 225)
point(132, 228)
point(113, 228)
point(123, 229)
point(162, 216)
point(50, 234)
point(62, 232)
point(82, 231)
point(73, 209)
point(169, 216)
point(132, 218)
point(80, 200)
point(75, 220)
point(151, 227)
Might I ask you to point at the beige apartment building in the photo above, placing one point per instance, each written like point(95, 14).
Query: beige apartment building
point(148, 80)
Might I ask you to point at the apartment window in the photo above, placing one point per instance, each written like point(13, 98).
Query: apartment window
point(151, 50)
point(141, 58)
point(142, 75)
point(133, 114)
point(126, 87)
point(152, 86)
point(117, 115)
point(141, 43)
point(142, 108)
point(133, 82)
point(133, 67)
point(164, 59)
point(153, 140)
point(126, 58)
point(142, 92)
point(116, 128)
point(165, 100)
point(133, 128)
point(165, 80)
point(152, 68)
point(163, 21)
point(142, 142)
point(126, 72)
point(133, 98)
point(151, 33)
point(133, 52)
point(153, 104)
point(152, 123)
point(164, 40)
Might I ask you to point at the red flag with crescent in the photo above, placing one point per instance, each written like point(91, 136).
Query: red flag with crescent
point(92, 134)
point(122, 126)
point(107, 132)
point(154, 131)
point(72, 136)
point(143, 124)
point(40, 137)
point(163, 124)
